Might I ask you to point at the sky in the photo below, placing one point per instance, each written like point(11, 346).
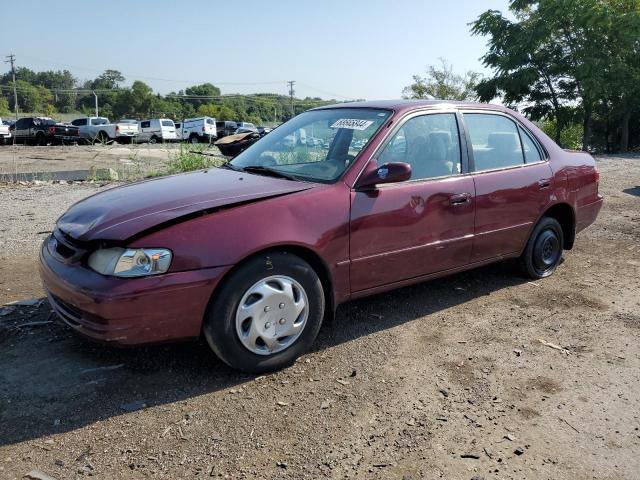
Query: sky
point(333, 49)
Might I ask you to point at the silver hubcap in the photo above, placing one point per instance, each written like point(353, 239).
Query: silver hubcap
point(272, 315)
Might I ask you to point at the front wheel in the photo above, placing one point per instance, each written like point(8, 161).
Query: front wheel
point(543, 252)
point(266, 313)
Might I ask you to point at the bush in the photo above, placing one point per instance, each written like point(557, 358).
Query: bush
point(192, 157)
point(570, 136)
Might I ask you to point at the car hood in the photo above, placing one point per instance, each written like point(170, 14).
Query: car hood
point(123, 212)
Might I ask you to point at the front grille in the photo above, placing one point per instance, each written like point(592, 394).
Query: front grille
point(65, 248)
point(64, 251)
point(67, 312)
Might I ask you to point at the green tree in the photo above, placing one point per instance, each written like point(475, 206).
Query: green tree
point(4, 107)
point(203, 90)
point(219, 112)
point(108, 80)
point(32, 99)
point(442, 82)
point(559, 53)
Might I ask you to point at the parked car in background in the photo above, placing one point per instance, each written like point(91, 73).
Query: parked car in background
point(201, 129)
point(178, 126)
point(157, 130)
point(101, 130)
point(244, 127)
point(256, 253)
point(5, 134)
point(43, 131)
point(264, 130)
point(225, 128)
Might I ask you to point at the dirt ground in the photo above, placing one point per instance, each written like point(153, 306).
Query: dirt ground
point(447, 379)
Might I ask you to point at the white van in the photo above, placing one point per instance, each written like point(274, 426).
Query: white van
point(201, 129)
point(157, 130)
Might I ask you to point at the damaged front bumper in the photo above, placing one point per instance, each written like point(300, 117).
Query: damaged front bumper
point(127, 311)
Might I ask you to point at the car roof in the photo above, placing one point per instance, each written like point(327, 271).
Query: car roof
point(408, 105)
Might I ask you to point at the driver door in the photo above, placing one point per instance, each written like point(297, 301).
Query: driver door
point(425, 225)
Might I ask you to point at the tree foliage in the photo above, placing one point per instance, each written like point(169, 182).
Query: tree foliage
point(559, 58)
point(443, 83)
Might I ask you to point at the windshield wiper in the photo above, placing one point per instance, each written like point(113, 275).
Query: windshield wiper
point(227, 164)
point(269, 171)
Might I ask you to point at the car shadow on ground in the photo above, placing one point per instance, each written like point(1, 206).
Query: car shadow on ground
point(632, 191)
point(52, 381)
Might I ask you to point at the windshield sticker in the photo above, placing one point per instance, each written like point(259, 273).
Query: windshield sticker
point(352, 124)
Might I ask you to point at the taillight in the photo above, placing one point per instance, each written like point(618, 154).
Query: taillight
point(52, 130)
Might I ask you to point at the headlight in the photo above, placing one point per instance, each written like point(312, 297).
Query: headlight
point(130, 262)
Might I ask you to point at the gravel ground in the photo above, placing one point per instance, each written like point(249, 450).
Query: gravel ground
point(447, 379)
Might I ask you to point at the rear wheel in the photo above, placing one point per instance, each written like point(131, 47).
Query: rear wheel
point(153, 139)
point(41, 141)
point(266, 313)
point(194, 139)
point(543, 252)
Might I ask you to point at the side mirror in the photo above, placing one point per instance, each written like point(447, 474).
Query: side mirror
point(393, 172)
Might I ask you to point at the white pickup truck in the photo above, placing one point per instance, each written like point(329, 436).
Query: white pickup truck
point(101, 130)
point(5, 135)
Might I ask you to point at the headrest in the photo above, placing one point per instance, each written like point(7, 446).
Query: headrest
point(504, 141)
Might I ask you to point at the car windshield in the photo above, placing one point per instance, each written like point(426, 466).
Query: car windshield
point(317, 145)
point(167, 123)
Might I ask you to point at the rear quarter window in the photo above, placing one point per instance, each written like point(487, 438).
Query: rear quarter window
point(531, 150)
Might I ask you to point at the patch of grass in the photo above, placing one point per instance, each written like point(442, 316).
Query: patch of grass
point(192, 157)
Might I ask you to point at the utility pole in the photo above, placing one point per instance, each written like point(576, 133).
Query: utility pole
point(11, 60)
point(291, 93)
point(96, 97)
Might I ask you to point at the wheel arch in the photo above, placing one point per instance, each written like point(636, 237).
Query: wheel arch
point(566, 217)
point(308, 255)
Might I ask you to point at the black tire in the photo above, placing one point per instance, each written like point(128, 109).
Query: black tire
point(194, 139)
point(153, 140)
point(543, 252)
point(220, 320)
point(41, 141)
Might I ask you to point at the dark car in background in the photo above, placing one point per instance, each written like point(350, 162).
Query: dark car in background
point(255, 254)
point(44, 131)
point(226, 128)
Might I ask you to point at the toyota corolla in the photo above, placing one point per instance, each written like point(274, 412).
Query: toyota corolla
point(255, 254)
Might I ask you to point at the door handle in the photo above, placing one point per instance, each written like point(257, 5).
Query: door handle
point(544, 183)
point(460, 199)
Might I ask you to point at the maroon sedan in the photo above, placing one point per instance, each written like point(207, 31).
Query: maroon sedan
point(338, 203)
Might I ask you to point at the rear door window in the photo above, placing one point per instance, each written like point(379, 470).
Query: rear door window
point(495, 141)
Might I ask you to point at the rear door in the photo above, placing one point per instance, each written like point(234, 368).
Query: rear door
point(425, 225)
point(513, 183)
